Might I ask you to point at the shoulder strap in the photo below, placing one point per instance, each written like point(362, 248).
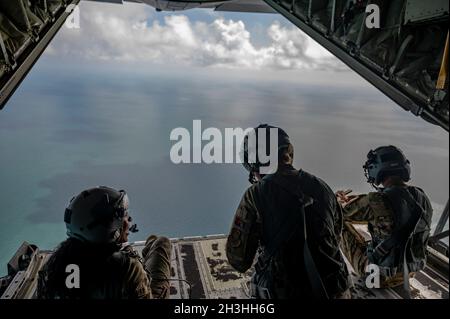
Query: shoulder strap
point(401, 236)
point(313, 275)
point(292, 222)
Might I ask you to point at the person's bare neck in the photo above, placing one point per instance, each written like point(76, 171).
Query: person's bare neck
point(393, 181)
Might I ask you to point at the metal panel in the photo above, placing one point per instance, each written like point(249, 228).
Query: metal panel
point(442, 221)
point(11, 80)
point(420, 10)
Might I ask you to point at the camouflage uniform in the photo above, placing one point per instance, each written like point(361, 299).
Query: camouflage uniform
point(368, 209)
point(377, 211)
point(117, 275)
point(157, 254)
point(260, 217)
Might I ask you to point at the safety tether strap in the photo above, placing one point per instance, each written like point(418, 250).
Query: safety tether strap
point(387, 245)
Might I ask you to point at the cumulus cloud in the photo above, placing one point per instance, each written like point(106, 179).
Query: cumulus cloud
point(128, 33)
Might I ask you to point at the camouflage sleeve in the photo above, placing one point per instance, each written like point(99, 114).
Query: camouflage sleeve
point(243, 240)
point(137, 282)
point(42, 291)
point(358, 209)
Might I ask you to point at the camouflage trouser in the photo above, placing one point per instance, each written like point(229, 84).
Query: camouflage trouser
point(354, 247)
point(156, 256)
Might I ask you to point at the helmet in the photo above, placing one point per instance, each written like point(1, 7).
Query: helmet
point(386, 161)
point(96, 215)
point(246, 149)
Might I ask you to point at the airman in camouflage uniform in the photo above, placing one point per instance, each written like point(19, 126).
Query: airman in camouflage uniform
point(266, 226)
point(398, 218)
point(97, 224)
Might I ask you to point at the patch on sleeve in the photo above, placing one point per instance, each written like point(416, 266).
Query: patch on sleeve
point(235, 238)
point(379, 205)
point(238, 221)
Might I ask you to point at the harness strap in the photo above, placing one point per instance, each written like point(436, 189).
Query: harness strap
point(313, 275)
point(398, 238)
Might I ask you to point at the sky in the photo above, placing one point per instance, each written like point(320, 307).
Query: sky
point(200, 37)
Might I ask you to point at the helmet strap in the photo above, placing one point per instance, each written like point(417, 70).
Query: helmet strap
point(251, 178)
point(377, 188)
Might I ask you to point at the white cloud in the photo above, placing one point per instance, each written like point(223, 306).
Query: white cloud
point(127, 33)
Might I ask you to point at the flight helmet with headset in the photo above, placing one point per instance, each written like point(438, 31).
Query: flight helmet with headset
point(96, 215)
point(247, 148)
point(386, 161)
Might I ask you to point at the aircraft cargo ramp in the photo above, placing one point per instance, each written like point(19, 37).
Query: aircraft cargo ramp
point(200, 270)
